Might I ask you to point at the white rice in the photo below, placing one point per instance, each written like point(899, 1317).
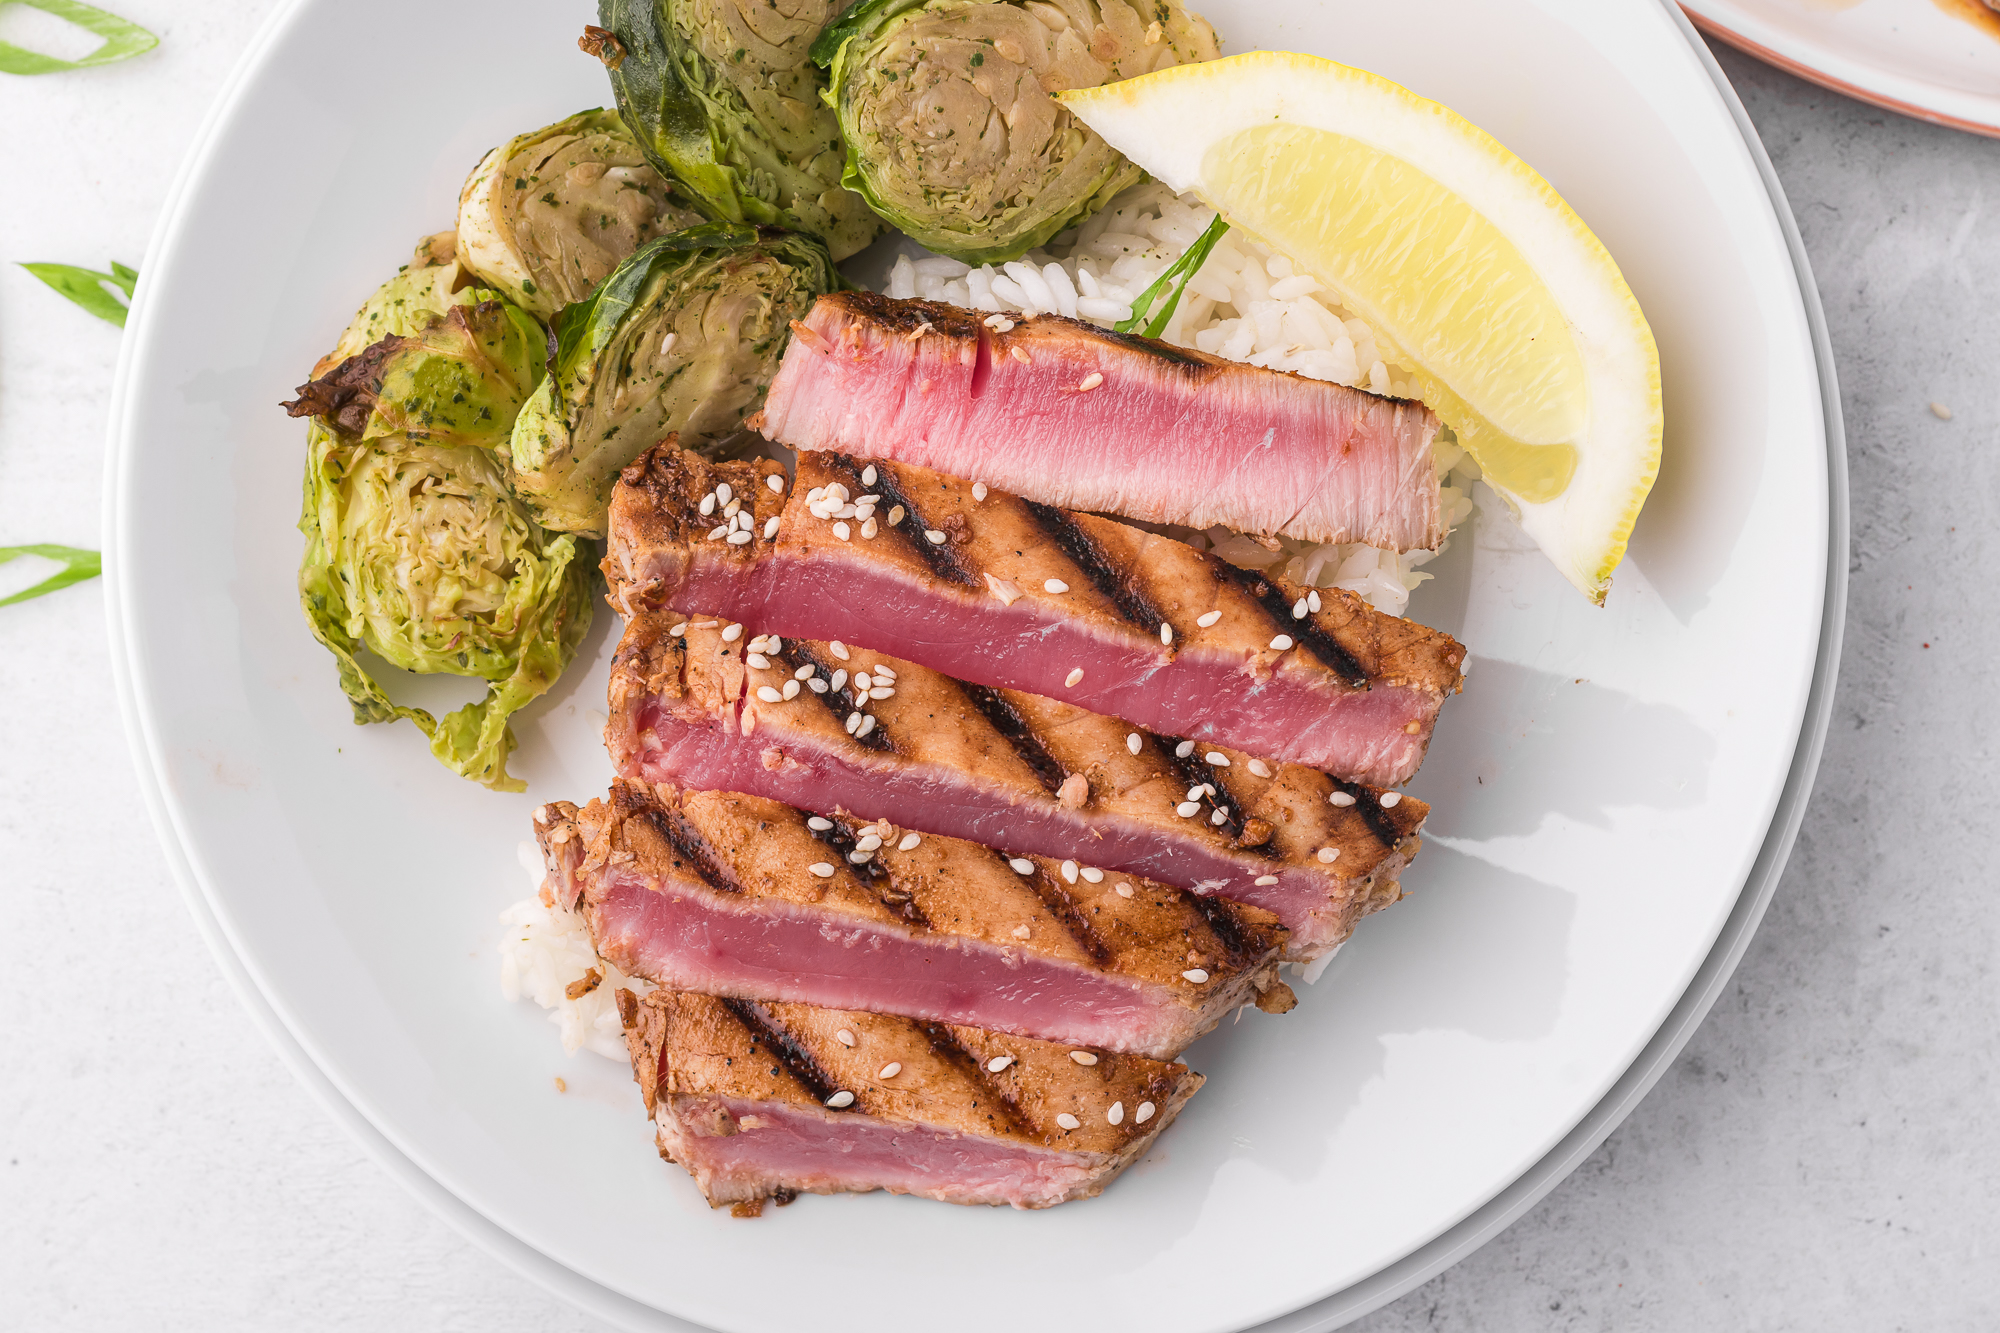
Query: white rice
point(545, 949)
point(1245, 303)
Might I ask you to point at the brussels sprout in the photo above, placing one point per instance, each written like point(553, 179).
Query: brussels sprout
point(952, 134)
point(545, 216)
point(419, 553)
point(423, 289)
point(724, 98)
point(684, 337)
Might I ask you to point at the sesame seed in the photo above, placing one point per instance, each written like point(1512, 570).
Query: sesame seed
point(1264, 880)
point(678, 630)
point(868, 475)
point(998, 1063)
point(1090, 381)
point(1208, 789)
point(838, 649)
point(1068, 1121)
point(815, 495)
point(1021, 932)
point(1069, 871)
point(723, 492)
point(776, 483)
point(1282, 642)
point(1299, 609)
point(998, 323)
point(1195, 974)
point(890, 1070)
point(1166, 633)
point(803, 673)
point(824, 869)
point(758, 660)
point(1144, 1113)
point(1188, 809)
point(1313, 602)
point(717, 534)
point(934, 537)
point(1391, 799)
point(771, 524)
point(1133, 743)
point(853, 723)
point(1327, 855)
point(1341, 798)
point(910, 840)
point(708, 504)
point(1940, 411)
point(867, 725)
point(1260, 768)
point(978, 490)
point(769, 695)
point(1184, 749)
point(816, 686)
point(895, 516)
point(1022, 865)
point(1083, 1057)
point(860, 858)
point(739, 538)
point(738, 520)
point(840, 1100)
point(1075, 675)
point(869, 528)
point(1207, 618)
point(731, 633)
point(1056, 586)
point(1093, 874)
point(819, 825)
point(842, 531)
point(1116, 1115)
point(1196, 792)
point(868, 842)
point(838, 492)
point(1219, 818)
point(883, 672)
point(844, 1037)
point(1217, 758)
point(1124, 890)
point(840, 678)
point(862, 680)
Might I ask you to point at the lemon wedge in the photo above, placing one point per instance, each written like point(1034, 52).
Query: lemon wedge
point(1522, 333)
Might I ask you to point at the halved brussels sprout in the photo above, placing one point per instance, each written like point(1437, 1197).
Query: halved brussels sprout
point(546, 215)
point(423, 289)
point(952, 134)
point(420, 554)
point(684, 337)
point(724, 98)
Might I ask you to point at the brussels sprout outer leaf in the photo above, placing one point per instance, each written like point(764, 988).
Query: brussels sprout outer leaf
point(463, 379)
point(78, 565)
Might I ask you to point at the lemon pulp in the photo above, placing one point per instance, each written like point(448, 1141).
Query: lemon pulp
point(1494, 356)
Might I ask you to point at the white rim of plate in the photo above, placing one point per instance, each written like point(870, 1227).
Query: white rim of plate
point(1348, 1304)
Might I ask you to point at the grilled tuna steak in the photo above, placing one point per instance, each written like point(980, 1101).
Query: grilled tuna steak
point(737, 895)
point(771, 1101)
point(991, 588)
point(1073, 415)
point(699, 704)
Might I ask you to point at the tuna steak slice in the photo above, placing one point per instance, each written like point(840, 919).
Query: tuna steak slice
point(990, 588)
point(1010, 770)
point(1073, 415)
point(769, 1101)
point(737, 895)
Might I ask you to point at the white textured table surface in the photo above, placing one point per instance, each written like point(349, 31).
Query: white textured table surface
point(1826, 1154)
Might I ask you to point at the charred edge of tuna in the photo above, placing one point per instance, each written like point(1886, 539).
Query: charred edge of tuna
point(1308, 633)
point(905, 316)
point(1153, 347)
point(1368, 804)
point(796, 1060)
point(689, 843)
point(947, 1048)
point(1195, 770)
point(840, 703)
point(1069, 914)
point(1014, 729)
point(1103, 575)
point(1228, 929)
point(938, 557)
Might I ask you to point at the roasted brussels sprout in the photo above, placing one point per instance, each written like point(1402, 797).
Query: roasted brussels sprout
point(952, 134)
point(683, 337)
point(423, 289)
point(545, 216)
point(724, 99)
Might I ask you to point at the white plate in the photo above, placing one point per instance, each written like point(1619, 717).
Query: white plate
point(1937, 60)
point(1605, 789)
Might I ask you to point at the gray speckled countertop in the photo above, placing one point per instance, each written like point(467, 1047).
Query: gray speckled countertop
point(1824, 1155)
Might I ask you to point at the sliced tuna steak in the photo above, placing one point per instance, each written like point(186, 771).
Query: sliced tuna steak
point(772, 1101)
point(738, 895)
point(701, 704)
point(1072, 415)
point(990, 588)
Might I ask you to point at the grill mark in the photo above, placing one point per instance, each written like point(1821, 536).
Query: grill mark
point(838, 703)
point(843, 835)
point(1122, 590)
point(1063, 907)
point(1194, 769)
point(796, 1059)
point(1369, 807)
point(1013, 728)
point(1227, 929)
point(690, 844)
point(937, 557)
point(1307, 633)
point(947, 1048)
